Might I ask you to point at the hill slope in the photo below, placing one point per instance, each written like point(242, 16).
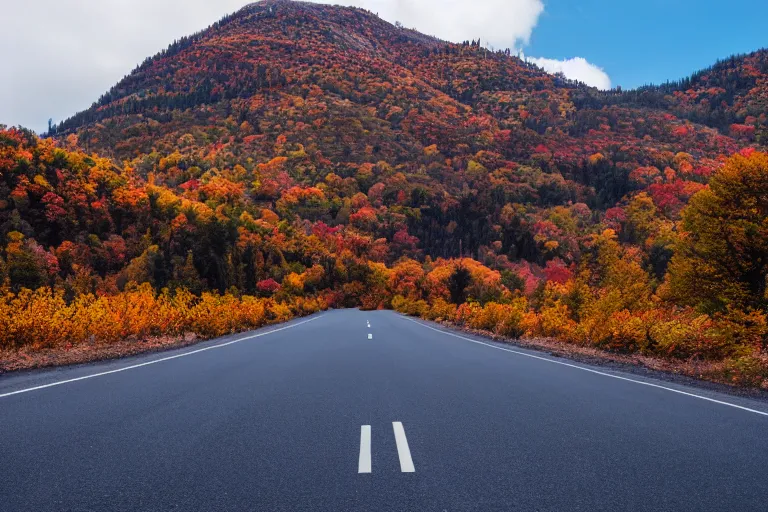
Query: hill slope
point(455, 128)
point(732, 96)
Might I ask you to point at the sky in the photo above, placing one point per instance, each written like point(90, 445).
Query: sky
point(62, 55)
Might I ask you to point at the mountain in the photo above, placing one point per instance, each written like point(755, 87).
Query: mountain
point(338, 90)
point(732, 96)
point(297, 149)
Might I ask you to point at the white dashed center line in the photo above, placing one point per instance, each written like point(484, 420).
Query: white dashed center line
point(406, 463)
point(364, 465)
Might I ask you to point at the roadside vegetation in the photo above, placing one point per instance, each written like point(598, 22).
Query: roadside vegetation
point(710, 306)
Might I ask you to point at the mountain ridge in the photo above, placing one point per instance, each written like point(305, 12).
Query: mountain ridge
point(646, 96)
point(733, 91)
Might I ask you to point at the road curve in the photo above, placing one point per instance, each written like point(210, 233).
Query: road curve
point(327, 413)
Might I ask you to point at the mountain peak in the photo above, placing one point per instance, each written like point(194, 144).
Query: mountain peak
point(413, 90)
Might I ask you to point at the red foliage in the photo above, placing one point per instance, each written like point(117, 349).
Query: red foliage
point(557, 272)
point(268, 286)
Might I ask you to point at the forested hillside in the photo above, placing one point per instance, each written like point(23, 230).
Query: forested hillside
point(305, 156)
point(732, 96)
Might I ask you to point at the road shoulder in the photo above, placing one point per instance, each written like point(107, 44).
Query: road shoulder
point(598, 361)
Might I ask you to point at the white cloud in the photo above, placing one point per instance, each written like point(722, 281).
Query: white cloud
point(65, 54)
point(500, 23)
point(576, 68)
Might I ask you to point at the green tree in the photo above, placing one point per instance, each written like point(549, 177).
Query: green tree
point(23, 268)
point(187, 276)
point(143, 269)
point(721, 258)
point(513, 281)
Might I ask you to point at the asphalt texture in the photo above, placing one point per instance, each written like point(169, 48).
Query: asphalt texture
point(273, 423)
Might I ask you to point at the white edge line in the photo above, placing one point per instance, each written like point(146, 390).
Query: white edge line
point(364, 463)
point(406, 462)
point(59, 383)
point(650, 384)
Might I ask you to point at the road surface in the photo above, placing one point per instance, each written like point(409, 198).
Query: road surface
point(327, 413)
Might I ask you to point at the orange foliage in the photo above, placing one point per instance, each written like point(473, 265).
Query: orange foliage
point(43, 319)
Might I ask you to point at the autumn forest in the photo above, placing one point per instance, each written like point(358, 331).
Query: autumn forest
point(297, 157)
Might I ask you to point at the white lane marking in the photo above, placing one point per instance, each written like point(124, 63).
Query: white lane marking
point(364, 464)
point(594, 371)
point(370, 336)
point(59, 383)
point(406, 463)
point(369, 324)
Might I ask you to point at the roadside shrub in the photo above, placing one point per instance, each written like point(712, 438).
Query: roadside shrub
point(737, 332)
point(748, 370)
point(398, 303)
point(409, 306)
point(33, 318)
point(371, 301)
point(624, 332)
point(487, 317)
point(43, 319)
point(441, 310)
point(682, 335)
point(467, 311)
point(511, 323)
point(553, 321)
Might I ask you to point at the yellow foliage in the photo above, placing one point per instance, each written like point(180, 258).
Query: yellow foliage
point(41, 181)
point(410, 306)
point(293, 284)
point(596, 158)
point(43, 319)
point(488, 317)
point(552, 321)
point(441, 310)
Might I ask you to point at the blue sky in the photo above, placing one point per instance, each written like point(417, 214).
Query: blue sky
point(651, 41)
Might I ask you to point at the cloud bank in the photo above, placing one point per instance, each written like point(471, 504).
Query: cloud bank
point(65, 54)
point(499, 23)
point(576, 68)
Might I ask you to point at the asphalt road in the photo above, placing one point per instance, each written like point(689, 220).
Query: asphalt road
point(317, 416)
